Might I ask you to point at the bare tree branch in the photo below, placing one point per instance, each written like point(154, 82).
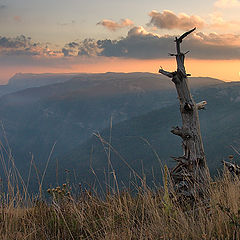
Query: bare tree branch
point(184, 35)
point(166, 73)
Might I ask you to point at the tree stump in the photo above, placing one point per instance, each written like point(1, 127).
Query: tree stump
point(191, 176)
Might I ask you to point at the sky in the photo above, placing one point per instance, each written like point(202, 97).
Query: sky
point(123, 36)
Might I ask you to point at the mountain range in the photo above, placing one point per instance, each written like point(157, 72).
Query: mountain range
point(65, 112)
point(145, 141)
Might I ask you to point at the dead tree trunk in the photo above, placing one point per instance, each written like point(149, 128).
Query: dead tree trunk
point(190, 176)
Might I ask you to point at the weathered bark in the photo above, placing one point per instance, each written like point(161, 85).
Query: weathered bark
point(190, 176)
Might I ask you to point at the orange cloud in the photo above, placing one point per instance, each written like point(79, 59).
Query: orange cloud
point(140, 31)
point(169, 20)
point(214, 39)
point(113, 26)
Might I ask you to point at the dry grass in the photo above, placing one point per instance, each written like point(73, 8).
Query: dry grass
point(122, 215)
point(146, 214)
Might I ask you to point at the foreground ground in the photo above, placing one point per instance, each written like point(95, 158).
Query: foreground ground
point(146, 214)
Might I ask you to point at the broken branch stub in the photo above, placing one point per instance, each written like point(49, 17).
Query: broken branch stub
point(192, 176)
point(201, 105)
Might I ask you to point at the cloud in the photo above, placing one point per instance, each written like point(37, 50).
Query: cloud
point(140, 44)
point(169, 20)
point(214, 46)
point(140, 31)
point(72, 44)
point(137, 44)
point(70, 49)
point(113, 26)
point(22, 45)
point(220, 40)
point(20, 41)
point(227, 3)
point(88, 47)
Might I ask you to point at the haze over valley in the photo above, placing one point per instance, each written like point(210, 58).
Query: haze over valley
point(62, 113)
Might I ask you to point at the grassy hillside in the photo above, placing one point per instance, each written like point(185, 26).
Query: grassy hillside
point(148, 214)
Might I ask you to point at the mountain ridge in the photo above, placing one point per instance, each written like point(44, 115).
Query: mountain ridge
point(137, 139)
point(69, 112)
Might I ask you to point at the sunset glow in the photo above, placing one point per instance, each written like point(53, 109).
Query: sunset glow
point(111, 37)
point(227, 70)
